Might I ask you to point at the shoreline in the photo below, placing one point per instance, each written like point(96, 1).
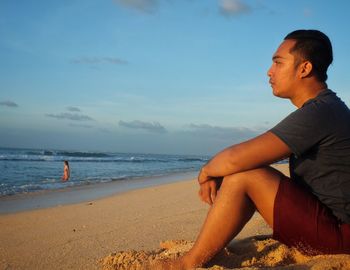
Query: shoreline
point(78, 194)
point(17, 203)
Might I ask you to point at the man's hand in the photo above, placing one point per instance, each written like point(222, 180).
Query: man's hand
point(203, 176)
point(208, 190)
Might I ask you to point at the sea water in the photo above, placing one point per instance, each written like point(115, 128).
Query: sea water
point(33, 170)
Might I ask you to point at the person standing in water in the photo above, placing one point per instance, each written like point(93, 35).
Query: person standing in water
point(66, 171)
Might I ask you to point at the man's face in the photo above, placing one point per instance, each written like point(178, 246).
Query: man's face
point(283, 72)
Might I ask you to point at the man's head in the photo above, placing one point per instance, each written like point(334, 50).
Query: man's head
point(300, 64)
point(315, 47)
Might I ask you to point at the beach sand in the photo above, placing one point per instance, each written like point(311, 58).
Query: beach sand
point(118, 231)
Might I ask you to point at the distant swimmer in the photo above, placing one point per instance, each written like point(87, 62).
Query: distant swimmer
point(66, 171)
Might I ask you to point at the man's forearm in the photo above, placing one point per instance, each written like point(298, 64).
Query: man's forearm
point(260, 151)
point(221, 165)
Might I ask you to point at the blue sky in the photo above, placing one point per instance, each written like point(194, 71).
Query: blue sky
point(151, 76)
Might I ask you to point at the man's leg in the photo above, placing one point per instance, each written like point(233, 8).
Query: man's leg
point(239, 196)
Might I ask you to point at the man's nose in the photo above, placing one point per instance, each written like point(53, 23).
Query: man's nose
point(269, 72)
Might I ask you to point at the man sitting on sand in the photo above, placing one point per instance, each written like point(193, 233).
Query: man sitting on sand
point(311, 209)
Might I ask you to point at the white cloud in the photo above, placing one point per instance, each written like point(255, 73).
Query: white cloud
point(233, 7)
point(136, 124)
point(70, 116)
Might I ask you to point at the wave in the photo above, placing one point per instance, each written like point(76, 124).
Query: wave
point(82, 154)
point(36, 185)
point(66, 153)
point(89, 159)
point(79, 156)
point(194, 159)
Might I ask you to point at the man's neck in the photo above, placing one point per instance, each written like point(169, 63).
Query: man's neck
point(307, 92)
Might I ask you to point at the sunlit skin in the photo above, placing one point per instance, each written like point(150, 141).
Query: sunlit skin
point(248, 183)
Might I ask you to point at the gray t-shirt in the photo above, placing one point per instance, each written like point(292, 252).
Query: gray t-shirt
point(318, 134)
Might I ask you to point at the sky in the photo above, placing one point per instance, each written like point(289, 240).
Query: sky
point(151, 76)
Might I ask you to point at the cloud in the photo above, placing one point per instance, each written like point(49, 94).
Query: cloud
point(70, 116)
point(73, 109)
point(224, 133)
point(99, 60)
point(151, 127)
point(145, 6)
point(233, 7)
point(8, 103)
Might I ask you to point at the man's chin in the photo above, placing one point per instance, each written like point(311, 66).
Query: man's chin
point(278, 94)
point(275, 93)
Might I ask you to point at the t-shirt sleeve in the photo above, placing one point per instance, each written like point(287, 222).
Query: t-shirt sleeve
point(302, 129)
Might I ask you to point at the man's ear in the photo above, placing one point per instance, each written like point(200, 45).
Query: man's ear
point(305, 69)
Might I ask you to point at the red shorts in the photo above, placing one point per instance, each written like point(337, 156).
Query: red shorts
point(302, 221)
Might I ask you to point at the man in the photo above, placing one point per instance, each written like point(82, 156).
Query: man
point(311, 209)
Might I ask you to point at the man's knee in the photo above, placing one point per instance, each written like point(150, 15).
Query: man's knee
point(239, 180)
point(255, 177)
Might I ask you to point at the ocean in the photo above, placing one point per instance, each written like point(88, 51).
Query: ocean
point(34, 170)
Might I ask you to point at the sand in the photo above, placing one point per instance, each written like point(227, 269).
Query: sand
point(120, 231)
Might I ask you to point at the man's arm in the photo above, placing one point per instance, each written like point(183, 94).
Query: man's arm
point(259, 151)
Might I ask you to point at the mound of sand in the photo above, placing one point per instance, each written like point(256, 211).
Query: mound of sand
point(258, 252)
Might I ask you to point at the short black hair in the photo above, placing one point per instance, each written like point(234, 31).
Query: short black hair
point(313, 46)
